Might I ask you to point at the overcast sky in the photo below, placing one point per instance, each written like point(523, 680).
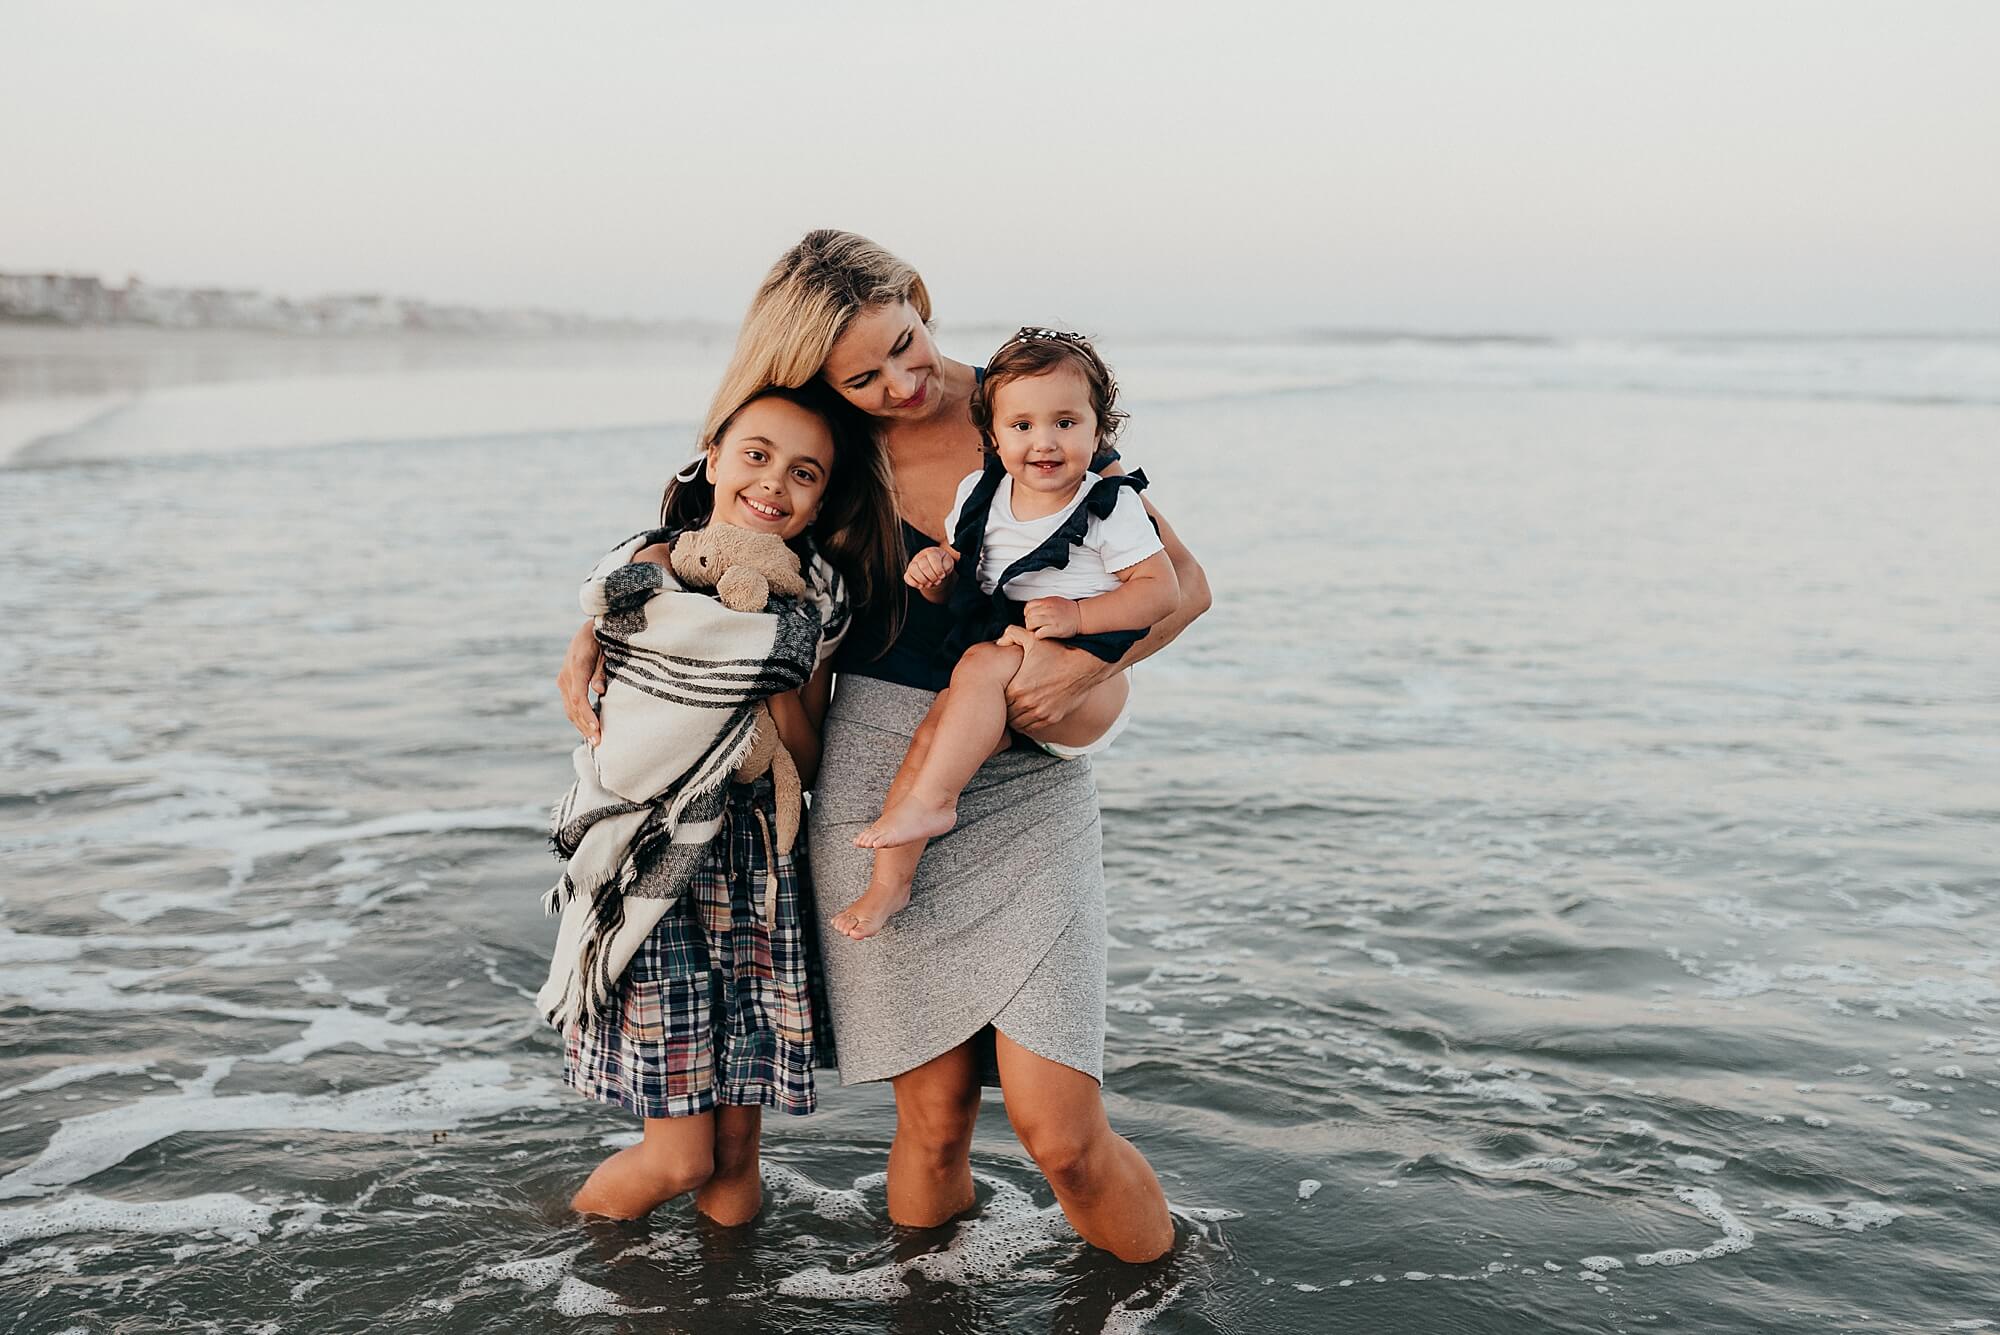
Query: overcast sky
point(1558, 165)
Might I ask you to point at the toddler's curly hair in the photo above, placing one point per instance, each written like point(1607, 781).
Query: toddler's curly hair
point(1034, 351)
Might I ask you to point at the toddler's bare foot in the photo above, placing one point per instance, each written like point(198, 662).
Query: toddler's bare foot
point(907, 822)
point(869, 914)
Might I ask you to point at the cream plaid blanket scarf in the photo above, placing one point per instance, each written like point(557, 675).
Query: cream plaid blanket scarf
point(684, 676)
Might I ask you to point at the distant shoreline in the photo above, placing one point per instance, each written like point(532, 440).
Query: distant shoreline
point(43, 361)
point(677, 330)
point(74, 383)
point(86, 299)
point(96, 393)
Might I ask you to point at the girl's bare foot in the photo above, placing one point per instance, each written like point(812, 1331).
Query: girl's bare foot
point(907, 822)
point(869, 914)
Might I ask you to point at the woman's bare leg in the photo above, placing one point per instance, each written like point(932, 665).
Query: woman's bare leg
point(930, 1166)
point(1106, 1188)
point(677, 1155)
point(971, 728)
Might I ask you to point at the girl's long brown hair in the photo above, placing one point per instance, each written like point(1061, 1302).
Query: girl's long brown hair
point(856, 524)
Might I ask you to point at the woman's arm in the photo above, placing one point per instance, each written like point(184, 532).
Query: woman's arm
point(582, 674)
point(798, 715)
point(1053, 677)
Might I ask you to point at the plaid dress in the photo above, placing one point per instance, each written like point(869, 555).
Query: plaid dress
point(717, 1007)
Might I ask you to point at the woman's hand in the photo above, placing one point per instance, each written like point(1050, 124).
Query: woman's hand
point(582, 674)
point(1052, 680)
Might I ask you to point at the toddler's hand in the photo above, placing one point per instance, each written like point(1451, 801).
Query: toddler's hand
point(1052, 618)
point(931, 567)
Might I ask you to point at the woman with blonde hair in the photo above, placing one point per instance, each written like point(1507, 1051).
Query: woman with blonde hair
point(996, 969)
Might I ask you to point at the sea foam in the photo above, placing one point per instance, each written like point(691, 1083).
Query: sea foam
point(444, 1098)
point(225, 1213)
point(1736, 1236)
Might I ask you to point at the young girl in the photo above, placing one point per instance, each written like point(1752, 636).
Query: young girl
point(1045, 548)
point(720, 1012)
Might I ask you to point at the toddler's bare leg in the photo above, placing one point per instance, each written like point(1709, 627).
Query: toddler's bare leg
point(971, 718)
point(1092, 717)
point(895, 868)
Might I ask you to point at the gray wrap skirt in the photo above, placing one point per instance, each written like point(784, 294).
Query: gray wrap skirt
point(1005, 925)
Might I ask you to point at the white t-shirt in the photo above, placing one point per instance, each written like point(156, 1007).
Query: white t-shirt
point(1121, 539)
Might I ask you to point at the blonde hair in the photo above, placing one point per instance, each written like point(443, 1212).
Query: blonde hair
point(801, 309)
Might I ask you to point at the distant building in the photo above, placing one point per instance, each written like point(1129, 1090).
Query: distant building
point(84, 299)
point(69, 298)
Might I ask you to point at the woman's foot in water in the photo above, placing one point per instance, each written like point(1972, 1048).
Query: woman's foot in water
point(869, 914)
point(907, 822)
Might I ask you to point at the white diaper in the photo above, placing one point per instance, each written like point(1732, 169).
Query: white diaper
point(1104, 741)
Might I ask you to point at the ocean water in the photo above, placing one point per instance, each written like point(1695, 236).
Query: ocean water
point(1555, 888)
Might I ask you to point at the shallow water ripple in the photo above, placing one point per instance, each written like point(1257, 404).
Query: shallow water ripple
point(1555, 889)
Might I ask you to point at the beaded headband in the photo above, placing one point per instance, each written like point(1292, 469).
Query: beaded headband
point(1030, 333)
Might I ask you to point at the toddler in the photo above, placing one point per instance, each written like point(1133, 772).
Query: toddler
point(1042, 548)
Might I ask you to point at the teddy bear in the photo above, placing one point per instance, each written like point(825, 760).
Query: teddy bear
point(746, 570)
